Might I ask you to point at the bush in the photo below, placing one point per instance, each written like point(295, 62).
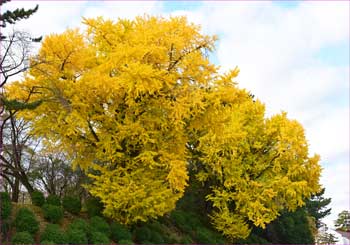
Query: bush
point(38, 198)
point(76, 236)
point(186, 240)
point(181, 220)
point(205, 236)
point(53, 233)
point(125, 242)
point(5, 205)
point(71, 204)
point(53, 200)
point(99, 238)
point(142, 234)
point(253, 239)
point(146, 242)
point(100, 225)
point(5, 227)
point(53, 213)
point(120, 232)
point(47, 242)
point(23, 237)
point(156, 238)
point(26, 221)
point(156, 226)
point(93, 207)
point(80, 224)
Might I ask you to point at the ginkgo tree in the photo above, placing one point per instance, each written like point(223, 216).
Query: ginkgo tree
point(136, 103)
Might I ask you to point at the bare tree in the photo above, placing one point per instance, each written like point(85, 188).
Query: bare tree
point(17, 158)
point(15, 53)
point(52, 173)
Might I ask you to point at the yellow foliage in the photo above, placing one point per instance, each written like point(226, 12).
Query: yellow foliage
point(256, 166)
point(134, 102)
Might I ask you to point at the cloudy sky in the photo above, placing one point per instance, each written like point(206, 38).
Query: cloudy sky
point(294, 56)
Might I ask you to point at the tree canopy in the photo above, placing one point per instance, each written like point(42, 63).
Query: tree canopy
point(137, 104)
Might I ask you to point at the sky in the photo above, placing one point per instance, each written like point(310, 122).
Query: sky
point(293, 56)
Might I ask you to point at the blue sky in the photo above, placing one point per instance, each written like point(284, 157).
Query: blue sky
point(287, 3)
point(293, 55)
point(337, 54)
point(171, 6)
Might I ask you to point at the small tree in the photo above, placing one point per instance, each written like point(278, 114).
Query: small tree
point(343, 221)
point(326, 238)
point(52, 172)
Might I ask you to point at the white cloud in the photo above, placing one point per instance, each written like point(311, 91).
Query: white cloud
point(119, 9)
point(51, 17)
point(329, 133)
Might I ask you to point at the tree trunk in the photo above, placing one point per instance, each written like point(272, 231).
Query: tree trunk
point(15, 191)
point(1, 135)
point(24, 180)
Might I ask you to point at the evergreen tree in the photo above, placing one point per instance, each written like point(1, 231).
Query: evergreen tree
point(316, 207)
point(11, 17)
point(291, 228)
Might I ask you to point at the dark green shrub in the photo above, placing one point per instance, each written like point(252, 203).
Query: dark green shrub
point(253, 239)
point(53, 200)
point(100, 225)
point(76, 236)
point(23, 237)
point(125, 242)
point(93, 207)
point(53, 213)
point(53, 233)
point(47, 242)
point(172, 238)
point(181, 221)
point(156, 226)
point(71, 204)
point(157, 230)
point(156, 238)
point(5, 205)
point(219, 238)
point(99, 238)
point(26, 221)
point(186, 240)
point(5, 227)
point(146, 242)
point(120, 232)
point(38, 198)
point(142, 234)
point(204, 236)
point(80, 224)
